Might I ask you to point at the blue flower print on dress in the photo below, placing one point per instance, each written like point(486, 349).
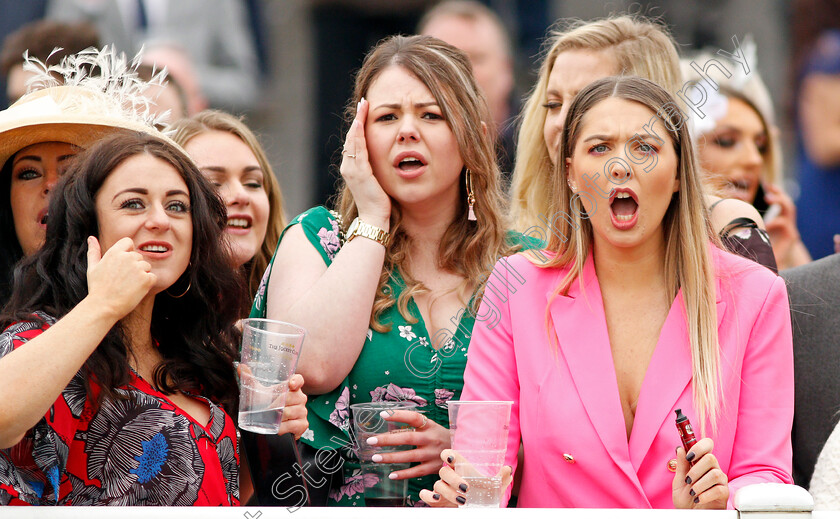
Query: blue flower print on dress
point(152, 459)
point(145, 448)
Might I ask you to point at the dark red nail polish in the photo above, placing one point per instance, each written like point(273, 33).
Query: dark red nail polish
point(461, 499)
point(689, 457)
point(436, 497)
point(462, 487)
point(450, 459)
point(691, 492)
point(697, 499)
point(688, 480)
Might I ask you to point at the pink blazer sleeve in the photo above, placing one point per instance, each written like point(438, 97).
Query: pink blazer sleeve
point(491, 372)
point(761, 451)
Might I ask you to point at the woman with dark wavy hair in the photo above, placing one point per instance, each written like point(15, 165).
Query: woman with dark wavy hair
point(124, 322)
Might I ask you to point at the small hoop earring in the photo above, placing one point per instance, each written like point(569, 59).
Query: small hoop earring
point(189, 285)
point(470, 196)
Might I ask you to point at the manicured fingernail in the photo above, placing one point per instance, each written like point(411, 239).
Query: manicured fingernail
point(689, 456)
point(450, 459)
point(436, 497)
point(688, 480)
point(462, 487)
point(697, 499)
point(373, 440)
point(461, 499)
point(392, 475)
point(376, 458)
point(691, 492)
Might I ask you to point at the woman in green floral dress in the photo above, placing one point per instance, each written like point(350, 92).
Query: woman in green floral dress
point(388, 285)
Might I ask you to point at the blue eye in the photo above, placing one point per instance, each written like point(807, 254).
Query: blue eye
point(178, 207)
point(647, 149)
point(599, 148)
point(133, 203)
point(28, 174)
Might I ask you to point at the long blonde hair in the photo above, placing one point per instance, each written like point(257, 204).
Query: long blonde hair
point(467, 248)
point(688, 233)
point(639, 46)
point(215, 120)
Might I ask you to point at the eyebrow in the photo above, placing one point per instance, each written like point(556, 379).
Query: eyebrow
point(38, 158)
point(601, 137)
point(222, 169)
point(598, 137)
point(416, 105)
point(143, 191)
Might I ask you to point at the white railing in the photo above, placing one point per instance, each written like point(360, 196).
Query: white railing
point(764, 501)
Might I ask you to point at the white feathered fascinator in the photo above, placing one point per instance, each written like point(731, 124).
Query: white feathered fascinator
point(83, 98)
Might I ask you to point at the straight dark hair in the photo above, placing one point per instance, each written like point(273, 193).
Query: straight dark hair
point(195, 332)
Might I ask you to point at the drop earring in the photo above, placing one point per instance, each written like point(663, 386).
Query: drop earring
point(470, 196)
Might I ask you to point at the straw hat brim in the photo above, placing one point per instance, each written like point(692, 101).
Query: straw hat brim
point(20, 127)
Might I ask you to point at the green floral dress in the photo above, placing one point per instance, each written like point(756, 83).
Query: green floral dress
point(398, 365)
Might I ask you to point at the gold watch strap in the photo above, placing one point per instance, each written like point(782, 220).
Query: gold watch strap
point(360, 228)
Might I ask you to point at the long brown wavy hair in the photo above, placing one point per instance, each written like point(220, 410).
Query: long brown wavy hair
point(467, 248)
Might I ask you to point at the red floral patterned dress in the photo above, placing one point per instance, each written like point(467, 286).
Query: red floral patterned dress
point(143, 450)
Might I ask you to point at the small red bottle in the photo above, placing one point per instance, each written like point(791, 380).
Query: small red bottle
point(686, 432)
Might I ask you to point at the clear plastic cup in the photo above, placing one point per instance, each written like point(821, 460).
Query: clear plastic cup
point(368, 421)
point(479, 433)
point(269, 356)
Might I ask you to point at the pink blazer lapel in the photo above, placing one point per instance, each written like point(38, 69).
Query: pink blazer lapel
point(667, 376)
point(580, 325)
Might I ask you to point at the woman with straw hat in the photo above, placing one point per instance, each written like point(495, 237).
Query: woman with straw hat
point(86, 97)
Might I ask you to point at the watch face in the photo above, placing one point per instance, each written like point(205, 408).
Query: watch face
point(353, 226)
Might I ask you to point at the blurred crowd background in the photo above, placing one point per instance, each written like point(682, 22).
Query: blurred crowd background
point(288, 64)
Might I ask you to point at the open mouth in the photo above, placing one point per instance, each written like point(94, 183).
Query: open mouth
point(624, 208)
point(239, 223)
point(42, 218)
point(410, 162)
point(154, 248)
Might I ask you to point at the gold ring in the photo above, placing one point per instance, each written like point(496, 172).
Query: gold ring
point(351, 156)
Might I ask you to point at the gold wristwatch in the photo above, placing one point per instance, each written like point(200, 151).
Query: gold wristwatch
point(360, 228)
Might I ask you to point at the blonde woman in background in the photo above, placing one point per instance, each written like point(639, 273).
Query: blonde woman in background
point(231, 157)
point(740, 150)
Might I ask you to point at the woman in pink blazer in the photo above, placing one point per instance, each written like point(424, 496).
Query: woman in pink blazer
point(632, 312)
